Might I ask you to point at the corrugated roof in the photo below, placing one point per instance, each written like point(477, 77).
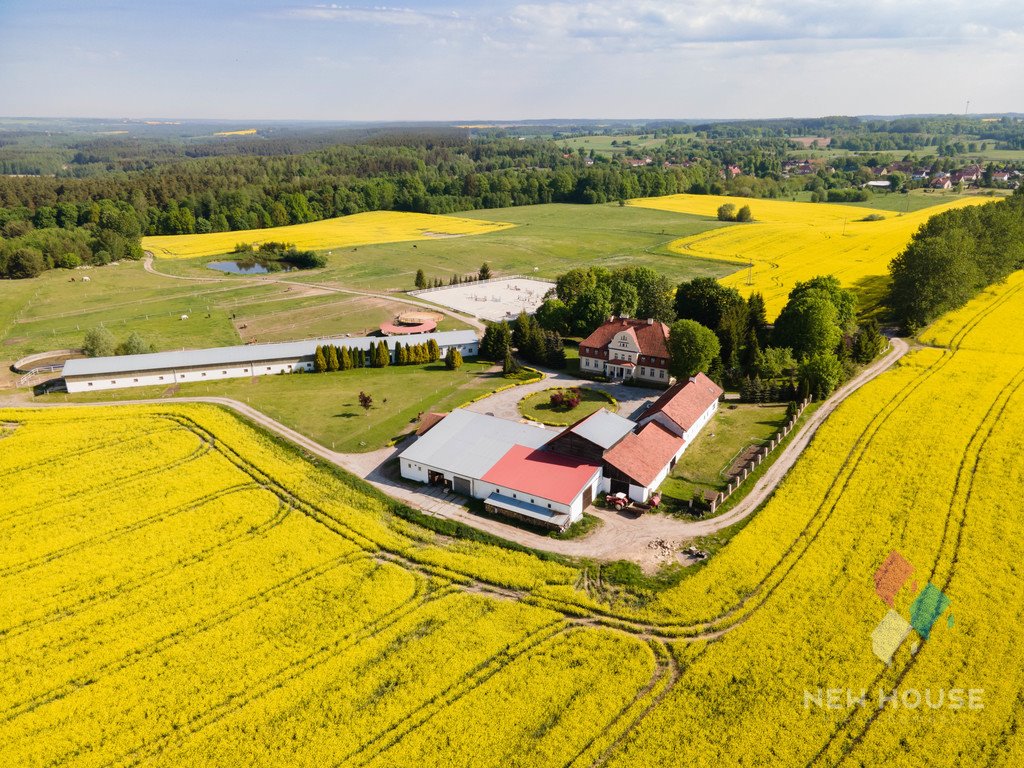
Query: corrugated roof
point(246, 353)
point(468, 444)
point(603, 428)
point(686, 401)
point(644, 454)
point(544, 474)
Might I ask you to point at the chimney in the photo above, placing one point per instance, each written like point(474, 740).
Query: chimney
point(650, 321)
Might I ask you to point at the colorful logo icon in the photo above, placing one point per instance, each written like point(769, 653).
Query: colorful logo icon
point(925, 610)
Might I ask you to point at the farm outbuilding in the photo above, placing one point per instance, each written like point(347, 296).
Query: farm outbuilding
point(549, 478)
point(503, 463)
point(166, 368)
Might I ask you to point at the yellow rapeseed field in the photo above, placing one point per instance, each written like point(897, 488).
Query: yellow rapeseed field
point(788, 241)
point(180, 589)
point(345, 231)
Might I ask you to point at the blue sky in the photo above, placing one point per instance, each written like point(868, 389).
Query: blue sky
point(503, 60)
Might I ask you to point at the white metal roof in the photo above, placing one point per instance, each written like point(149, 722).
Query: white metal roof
point(468, 444)
point(604, 428)
point(246, 353)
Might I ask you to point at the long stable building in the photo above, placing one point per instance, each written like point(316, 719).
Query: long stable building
point(166, 368)
point(549, 478)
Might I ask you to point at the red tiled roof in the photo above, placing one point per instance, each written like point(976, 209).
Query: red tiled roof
point(686, 401)
point(395, 329)
point(643, 455)
point(428, 421)
point(543, 474)
point(650, 337)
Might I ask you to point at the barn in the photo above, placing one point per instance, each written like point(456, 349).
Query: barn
point(503, 463)
point(549, 478)
point(166, 368)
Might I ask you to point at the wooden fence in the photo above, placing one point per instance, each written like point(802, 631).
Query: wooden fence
point(714, 499)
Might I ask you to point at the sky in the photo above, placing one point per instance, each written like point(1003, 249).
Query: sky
point(496, 60)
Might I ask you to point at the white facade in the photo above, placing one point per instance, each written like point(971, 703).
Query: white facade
point(686, 434)
point(479, 489)
point(168, 368)
point(178, 376)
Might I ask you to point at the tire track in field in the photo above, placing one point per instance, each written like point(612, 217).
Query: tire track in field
point(967, 469)
point(665, 678)
point(179, 635)
point(126, 588)
point(107, 536)
point(464, 686)
point(279, 678)
point(92, 447)
point(116, 482)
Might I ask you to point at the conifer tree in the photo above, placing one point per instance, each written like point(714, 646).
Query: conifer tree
point(344, 360)
point(332, 358)
point(433, 351)
point(319, 361)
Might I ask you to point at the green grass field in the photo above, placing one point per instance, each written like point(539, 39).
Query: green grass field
point(325, 406)
point(733, 428)
point(603, 144)
point(51, 312)
point(547, 241)
point(895, 202)
point(538, 407)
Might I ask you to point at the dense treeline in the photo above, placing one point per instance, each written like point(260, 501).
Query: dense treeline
point(67, 236)
point(243, 192)
point(953, 257)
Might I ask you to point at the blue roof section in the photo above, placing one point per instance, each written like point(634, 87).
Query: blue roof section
point(604, 428)
point(533, 511)
point(247, 353)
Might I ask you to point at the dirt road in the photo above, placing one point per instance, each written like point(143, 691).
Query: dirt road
point(649, 540)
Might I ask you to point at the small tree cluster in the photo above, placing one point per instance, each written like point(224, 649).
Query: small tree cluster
point(100, 342)
point(497, 341)
point(422, 281)
point(416, 354)
point(536, 345)
point(566, 399)
point(332, 358)
point(728, 212)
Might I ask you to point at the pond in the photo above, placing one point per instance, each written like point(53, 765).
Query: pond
point(248, 267)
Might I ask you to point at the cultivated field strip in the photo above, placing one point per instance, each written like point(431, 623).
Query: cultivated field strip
point(278, 614)
point(789, 242)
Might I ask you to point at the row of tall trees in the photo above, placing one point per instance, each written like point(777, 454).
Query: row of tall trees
point(333, 358)
point(953, 256)
point(422, 281)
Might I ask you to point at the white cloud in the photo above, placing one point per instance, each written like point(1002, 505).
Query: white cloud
point(376, 15)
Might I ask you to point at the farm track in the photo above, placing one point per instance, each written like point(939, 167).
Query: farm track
point(147, 264)
point(667, 675)
point(109, 535)
point(472, 680)
point(203, 448)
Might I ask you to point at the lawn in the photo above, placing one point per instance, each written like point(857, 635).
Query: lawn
point(733, 428)
point(538, 407)
point(602, 145)
point(51, 312)
point(325, 406)
point(546, 241)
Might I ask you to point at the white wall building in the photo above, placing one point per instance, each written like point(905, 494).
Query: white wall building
point(186, 365)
